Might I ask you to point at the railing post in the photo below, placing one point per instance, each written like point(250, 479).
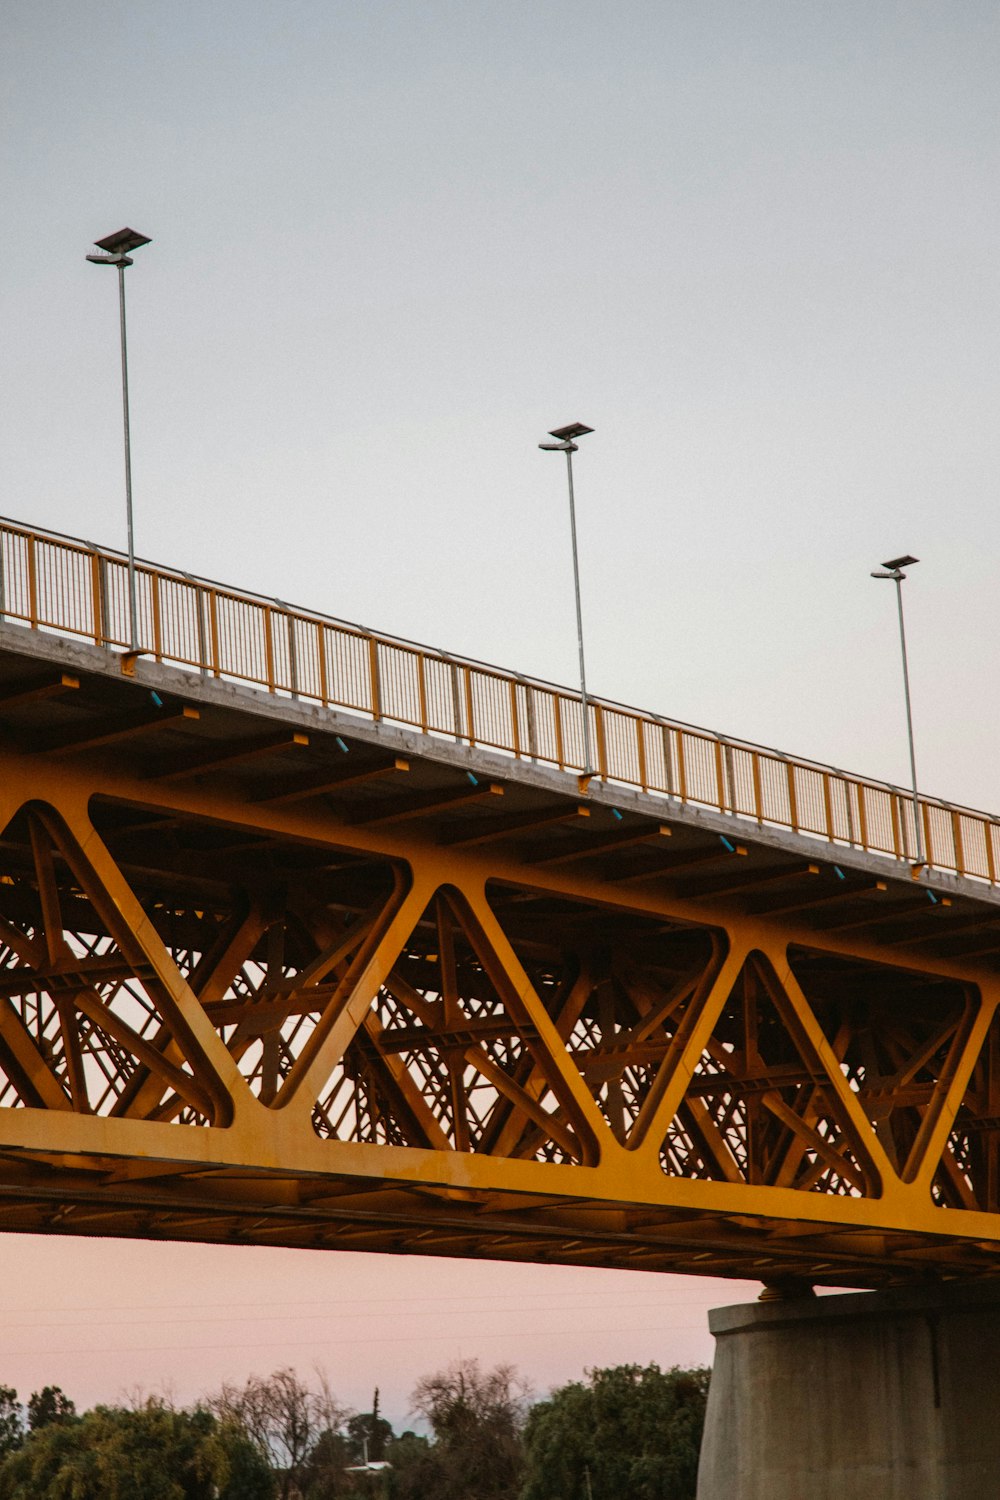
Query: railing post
point(758, 785)
point(529, 714)
point(157, 622)
point(202, 642)
point(324, 685)
point(269, 649)
point(470, 725)
point(32, 583)
point(828, 806)
point(681, 767)
point(846, 784)
point(640, 748)
point(668, 760)
point(863, 813)
point(422, 690)
point(602, 749)
point(515, 726)
point(456, 697)
point(293, 664)
point(103, 598)
point(376, 685)
point(95, 598)
point(720, 776)
point(793, 798)
point(557, 718)
point(3, 576)
point(213, 619)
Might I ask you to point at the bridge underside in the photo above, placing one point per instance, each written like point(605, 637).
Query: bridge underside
point(280, 976)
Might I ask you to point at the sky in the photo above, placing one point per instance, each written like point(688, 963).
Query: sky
point(753, 245)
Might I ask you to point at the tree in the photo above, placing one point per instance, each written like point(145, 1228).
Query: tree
point(629, 1433)
point(11, 1421)
point(285, 1419)
point(369, 1433)
point(477, 1417)
point(49, 1405)
point(154, 1451)
point(323, 1474)
point(411, 1474)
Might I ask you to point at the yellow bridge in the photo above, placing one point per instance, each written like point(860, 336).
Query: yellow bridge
point(310, 936)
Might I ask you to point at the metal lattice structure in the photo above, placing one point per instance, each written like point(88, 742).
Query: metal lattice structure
point(288, 971)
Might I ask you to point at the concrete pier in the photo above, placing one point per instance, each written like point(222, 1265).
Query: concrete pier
point(871, 1396)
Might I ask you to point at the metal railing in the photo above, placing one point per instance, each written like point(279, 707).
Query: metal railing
point(60, 584)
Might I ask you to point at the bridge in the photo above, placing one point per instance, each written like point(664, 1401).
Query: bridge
point(311, 936)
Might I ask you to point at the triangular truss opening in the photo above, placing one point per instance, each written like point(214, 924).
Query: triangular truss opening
point(446, 1057)
point(761, 1107)
point(619, 988)
point(269, 935)
point(968, 1175)
point(898, 1036)
point(86, 1024)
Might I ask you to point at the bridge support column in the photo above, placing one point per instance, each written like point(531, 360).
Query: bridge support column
point(871, 1396)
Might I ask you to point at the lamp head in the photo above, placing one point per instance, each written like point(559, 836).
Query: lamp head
point(894, 568)
point(564, 438)
point(116, 247)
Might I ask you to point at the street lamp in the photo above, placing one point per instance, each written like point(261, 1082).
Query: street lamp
point(116, 249)
point(894, 570)
point(564, 444)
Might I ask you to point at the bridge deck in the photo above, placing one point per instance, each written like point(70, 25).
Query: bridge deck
point(289, 971)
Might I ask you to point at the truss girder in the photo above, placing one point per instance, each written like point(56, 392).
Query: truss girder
point(261, 1021)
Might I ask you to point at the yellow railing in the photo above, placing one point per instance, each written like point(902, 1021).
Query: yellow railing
point(56, 583)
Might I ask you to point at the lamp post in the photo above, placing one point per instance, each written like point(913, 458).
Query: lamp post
point(564, 444)
point(894, 570)
point(116, 249)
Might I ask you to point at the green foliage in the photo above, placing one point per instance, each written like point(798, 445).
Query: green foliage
point(154, 1452)
point(411, 1476)
point(50, 1404)
point(477, 1417)
point(628, 1433)
point(11, 1421)
point(634, 1433)
point(367, 1427)
point(322, 1472)
point(288, 1420)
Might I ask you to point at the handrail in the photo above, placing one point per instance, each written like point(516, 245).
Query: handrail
point(61, 584)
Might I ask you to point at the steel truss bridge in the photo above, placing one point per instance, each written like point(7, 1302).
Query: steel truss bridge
point(313, 937)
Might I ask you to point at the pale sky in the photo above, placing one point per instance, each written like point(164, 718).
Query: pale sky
point(754, 245)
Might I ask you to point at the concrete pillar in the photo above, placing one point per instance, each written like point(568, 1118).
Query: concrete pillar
point(872, 1396)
